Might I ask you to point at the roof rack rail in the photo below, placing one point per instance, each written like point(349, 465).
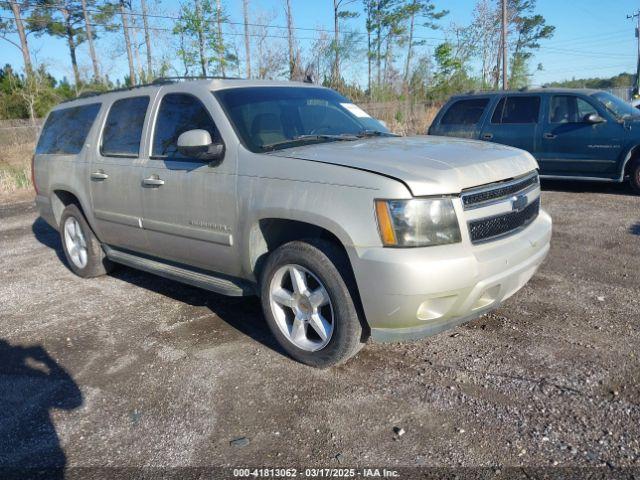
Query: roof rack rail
point(95, 93)
point(154, 83)
point(196, 77)
point(92, 93)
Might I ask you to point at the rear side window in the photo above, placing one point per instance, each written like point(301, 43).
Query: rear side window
point(518, 109)
point(179, 113)
point(123, 130)
point(465, 112)
point(66, 130)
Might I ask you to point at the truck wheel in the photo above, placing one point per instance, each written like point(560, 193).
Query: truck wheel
point(82, 249)
point(307, 293)
point(634, 179)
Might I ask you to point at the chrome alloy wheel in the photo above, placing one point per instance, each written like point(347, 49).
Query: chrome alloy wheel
point(75, 242)
point(301, 307)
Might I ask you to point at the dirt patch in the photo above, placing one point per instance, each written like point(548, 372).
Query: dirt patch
point(169, 375)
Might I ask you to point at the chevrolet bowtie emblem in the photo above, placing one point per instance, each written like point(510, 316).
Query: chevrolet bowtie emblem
point(518, 203)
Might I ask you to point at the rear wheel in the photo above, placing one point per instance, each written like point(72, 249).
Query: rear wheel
point(82, 249)
point(634, 178)
point(307, 294)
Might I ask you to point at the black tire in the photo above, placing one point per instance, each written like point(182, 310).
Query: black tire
point(97, 262)
point(634, 177)
point(331, 266)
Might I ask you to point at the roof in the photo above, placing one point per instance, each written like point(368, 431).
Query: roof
point(181, 84)
point(525, 91)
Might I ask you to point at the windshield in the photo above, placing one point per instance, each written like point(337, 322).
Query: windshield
point(271, 118)
point(616, 106)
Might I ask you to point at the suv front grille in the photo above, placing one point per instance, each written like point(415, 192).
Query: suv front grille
point(492, 227)
point(482, 196)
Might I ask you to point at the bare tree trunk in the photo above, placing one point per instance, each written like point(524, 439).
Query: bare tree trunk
point(335, 71)
point(505, 59)
point(221, 49)
point(378, 53)
point(247, 43)
point(261, 69)
point(183, 54)
point(292, 57)
point(204, 64)
point(72, 45)
point(24, 45)
point(147, 38)
point(407, 65)
point(496, 75)
point(369, 62)
point(387, 57)
point(92, 50)
point(127, 42)
point(136, 50)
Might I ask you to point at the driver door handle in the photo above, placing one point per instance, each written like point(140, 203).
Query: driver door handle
point(550, 136)
point(152, 181)
point(487, 136)
point(99, 175)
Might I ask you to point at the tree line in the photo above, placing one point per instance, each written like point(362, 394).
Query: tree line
point(384, 38)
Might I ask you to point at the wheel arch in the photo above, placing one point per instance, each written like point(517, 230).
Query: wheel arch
point(62, 198)
point(268, 233)
point(633, 155)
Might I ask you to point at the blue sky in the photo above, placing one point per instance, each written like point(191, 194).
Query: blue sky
point(593, 37)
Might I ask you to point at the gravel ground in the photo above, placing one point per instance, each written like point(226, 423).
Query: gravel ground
point(131, 370)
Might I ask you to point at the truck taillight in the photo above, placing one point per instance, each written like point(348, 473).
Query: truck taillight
point(33, 173)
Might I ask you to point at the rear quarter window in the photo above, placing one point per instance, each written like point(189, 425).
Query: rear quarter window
point(465, 112)
point(66, 130)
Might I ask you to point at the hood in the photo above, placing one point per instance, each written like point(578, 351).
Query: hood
point(427, 165)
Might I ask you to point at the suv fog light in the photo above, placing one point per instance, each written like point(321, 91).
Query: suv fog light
point(435, 308)
point(488, 297)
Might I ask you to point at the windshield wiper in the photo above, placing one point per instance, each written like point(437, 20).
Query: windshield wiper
point(305, 138)
point(376, 133)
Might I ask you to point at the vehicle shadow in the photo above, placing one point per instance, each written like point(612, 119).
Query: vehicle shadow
point(244, 314)
point(31, 384)
point(49, 237)
point(580, 186)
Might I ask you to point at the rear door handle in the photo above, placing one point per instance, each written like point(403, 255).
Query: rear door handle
point(550, 136)
point(99, 175)
point(487, 136)
point(152, 181)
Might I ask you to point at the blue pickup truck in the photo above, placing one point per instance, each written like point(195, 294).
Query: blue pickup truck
point(573, 133)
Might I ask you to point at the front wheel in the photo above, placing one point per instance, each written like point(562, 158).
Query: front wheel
point(634, 179)
point(307, 294)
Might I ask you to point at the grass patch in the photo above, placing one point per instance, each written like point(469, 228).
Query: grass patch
point(14, 178)
point(15, 168)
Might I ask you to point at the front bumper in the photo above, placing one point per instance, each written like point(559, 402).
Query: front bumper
point(416, 292)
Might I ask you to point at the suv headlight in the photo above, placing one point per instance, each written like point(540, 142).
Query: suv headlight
point(418, 222)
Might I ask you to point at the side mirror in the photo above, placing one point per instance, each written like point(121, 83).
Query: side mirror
point(198, 144)
point(593, 118)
